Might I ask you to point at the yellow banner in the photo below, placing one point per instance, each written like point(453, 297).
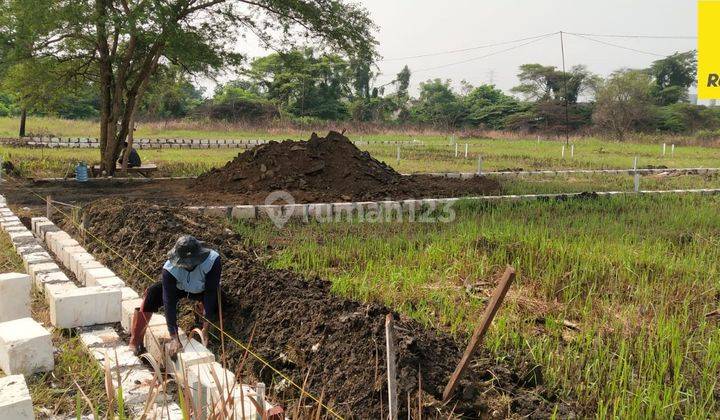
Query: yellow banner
point(709, 49)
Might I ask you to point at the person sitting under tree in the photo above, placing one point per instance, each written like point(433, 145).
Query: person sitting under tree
point(191, 271)
point(133, 159)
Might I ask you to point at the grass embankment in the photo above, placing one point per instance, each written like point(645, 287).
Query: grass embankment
point(633, 277)
point(56, 393)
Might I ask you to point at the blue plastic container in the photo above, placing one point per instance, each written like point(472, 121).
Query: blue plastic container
point(81, 172)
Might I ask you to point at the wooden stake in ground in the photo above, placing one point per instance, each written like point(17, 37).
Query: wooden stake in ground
point(48, 207)
point(391, 371)
point(497, 298)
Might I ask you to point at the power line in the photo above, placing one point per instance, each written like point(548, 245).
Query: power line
point(467, 49)
point(633, 36)
point(616, 45)
point(486, 55)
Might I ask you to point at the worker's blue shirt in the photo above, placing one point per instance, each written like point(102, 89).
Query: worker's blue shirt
point(192, 281)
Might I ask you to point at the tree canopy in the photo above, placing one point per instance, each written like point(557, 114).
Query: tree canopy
point(118, 44)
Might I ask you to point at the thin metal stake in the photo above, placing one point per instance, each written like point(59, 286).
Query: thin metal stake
point(466, 150)
point(479, 172)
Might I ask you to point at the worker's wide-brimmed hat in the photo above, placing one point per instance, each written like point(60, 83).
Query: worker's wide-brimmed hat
point(188, 252)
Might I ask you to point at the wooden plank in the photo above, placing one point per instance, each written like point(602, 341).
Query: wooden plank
point(391, 368)
point(497, 298)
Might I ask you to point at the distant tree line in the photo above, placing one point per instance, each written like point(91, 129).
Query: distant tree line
point(305, 85)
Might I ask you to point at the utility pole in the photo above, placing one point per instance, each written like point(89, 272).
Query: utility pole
point(567, 102)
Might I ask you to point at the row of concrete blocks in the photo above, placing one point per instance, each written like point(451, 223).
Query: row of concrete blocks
point(320, 211)
point(469, 175)
point(25, 345)
point(93, 140)
point(194, 364)
point(93, 307)
point(345, 211)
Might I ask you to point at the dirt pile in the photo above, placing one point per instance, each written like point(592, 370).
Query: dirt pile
point(325, 169)
point(303, 329)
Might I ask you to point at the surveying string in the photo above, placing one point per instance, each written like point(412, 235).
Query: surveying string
point(233, 339)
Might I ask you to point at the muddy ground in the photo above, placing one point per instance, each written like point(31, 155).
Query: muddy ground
point(305, 330)
point(179, 192)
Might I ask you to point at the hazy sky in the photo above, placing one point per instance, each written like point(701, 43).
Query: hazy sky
point(418, 27)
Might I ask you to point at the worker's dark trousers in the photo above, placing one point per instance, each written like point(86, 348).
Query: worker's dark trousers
point(152, 302)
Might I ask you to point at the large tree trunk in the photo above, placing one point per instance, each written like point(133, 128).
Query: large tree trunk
point(23, 120)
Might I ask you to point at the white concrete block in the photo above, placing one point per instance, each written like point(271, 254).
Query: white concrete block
point(83, 267)
point(111, 282)
point(14, 296)
point(25, 347)
point(170, 411)
point(344, 211)
point(35, 269)
point(51, 237)
point(16, 227)
point(243, 397)
point(296, 211)
point(128, 311)
point(66, 254)
point(99, 336)
point(76, 259)
point(136, 385)
point(193, 353)
point(205, 388)
point(156, 337)
point(243, 212)
point(29, 249)
point(35, 220)
point(59, 246)
point(92, 275)
point(43, 228)
point(217, 211)
point(15, 401)
point(55, 240)
point(269, 211)
point(36, 258)
point(85, 306)
point(21, 238)
point(320, 211)
point(52, 289)
point(128, 293)
point(41, 279)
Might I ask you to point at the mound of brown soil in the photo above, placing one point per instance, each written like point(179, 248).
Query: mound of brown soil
point(325, 169)
point(302, 328)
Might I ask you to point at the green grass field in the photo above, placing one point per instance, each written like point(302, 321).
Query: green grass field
point(635, 275)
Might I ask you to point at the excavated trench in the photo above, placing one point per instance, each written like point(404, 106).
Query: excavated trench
point(333, 344)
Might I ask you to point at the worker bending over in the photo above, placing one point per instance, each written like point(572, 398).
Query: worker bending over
point(191, 271)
